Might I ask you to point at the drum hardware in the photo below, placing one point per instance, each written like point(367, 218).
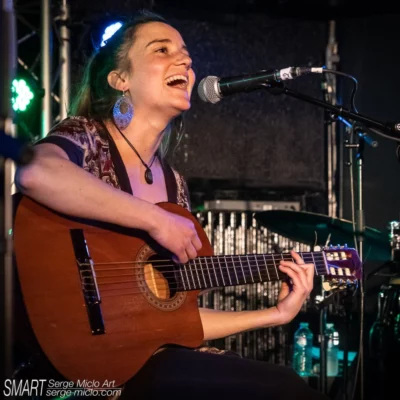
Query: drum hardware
point(316, 229)
point(393, 263)
point(384, 335)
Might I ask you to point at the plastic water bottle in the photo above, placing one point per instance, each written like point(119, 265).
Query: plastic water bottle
point(332, 356)
point(302, 351)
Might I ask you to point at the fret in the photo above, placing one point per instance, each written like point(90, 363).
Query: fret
point(273, 259)
point(202, 272)
point(234, 268)
point(249, 264)
point(187, 276)
point(304, 256)
point(240, 261)
point(315, 265)
point(215, 272)
point(191, 273)
point(258, 268)
point(195, 268)
point(229, 275)
point(266, 267)
point(222, 274)
point(183, 281)
point(209, 275)
point(325, 263)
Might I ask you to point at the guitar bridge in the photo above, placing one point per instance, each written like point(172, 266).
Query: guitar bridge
point(89, 286)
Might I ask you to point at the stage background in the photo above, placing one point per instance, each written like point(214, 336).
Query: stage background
point(257, 145)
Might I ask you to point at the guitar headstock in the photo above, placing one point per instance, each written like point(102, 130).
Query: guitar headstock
point(344, 267)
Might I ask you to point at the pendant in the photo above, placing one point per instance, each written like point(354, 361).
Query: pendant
point(148, 176)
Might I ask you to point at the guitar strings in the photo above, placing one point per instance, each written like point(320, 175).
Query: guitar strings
point(166, 288)
point(169, 287)
point(272, 257)
point(268, 267)
point(228, 266)
point(189, 280)
point(179, 285)
point(225, 259)
point(223, 271)
point(195, 283)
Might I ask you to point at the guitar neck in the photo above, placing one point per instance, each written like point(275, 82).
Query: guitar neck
point(221, 271)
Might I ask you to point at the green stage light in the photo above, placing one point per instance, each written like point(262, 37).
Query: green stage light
point(22, 95)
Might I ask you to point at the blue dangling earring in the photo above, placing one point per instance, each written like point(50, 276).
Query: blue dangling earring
point(123, 111)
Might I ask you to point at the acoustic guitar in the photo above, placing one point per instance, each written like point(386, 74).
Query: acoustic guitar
point(101, 299)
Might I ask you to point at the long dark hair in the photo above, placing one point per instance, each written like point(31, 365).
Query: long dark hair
point(95, 98)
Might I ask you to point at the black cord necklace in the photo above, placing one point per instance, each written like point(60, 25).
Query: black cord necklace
point(148, 175)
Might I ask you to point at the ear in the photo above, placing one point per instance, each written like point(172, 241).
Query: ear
point(116, 81)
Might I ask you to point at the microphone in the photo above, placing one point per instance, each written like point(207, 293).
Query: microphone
point(212, 89)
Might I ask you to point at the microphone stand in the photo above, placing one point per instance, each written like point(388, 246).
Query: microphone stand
point(359, 231)
point(390, 129)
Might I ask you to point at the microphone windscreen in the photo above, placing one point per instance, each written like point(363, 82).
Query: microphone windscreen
point(208, 89)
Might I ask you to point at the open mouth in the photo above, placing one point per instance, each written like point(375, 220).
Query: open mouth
point(178, 81)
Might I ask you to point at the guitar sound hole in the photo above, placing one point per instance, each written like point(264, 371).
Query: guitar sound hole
point(160, 278)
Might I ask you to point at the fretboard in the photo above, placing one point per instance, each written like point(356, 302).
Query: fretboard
point(221, 271)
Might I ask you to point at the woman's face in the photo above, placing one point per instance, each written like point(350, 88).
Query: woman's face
point(161, 77)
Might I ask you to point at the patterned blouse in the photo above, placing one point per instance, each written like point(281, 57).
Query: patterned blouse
point(89, 145)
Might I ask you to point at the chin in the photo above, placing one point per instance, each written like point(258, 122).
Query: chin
point(181, 108)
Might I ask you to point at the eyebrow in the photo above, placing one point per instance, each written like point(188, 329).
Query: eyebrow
point(164, 41)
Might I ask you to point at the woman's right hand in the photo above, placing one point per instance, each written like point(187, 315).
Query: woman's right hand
point(177, 234)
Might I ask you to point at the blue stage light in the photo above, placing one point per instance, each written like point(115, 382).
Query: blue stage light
point(109, 31)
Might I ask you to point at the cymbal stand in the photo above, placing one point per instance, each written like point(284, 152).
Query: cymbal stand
point(344, 301)
point(359, 231)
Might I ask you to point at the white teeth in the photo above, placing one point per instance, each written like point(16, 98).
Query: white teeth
point(177, 77)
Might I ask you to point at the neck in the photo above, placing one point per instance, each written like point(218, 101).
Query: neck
point(144, 133)
point(233, 270)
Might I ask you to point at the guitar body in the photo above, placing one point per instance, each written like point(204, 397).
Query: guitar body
point(136, 320)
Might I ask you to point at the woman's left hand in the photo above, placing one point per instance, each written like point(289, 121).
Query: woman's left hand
point(292, 296)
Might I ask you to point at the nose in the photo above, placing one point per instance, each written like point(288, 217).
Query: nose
point(184, 59)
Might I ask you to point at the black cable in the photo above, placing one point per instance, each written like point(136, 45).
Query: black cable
point(378, 132)
point(355, 86)
point(353, 105)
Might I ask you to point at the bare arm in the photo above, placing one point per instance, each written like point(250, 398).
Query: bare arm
point(54, 181)
point(218, 324)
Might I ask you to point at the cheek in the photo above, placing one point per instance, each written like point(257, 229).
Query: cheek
point(147, 86)
point(149, 75)
point(192, 80)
